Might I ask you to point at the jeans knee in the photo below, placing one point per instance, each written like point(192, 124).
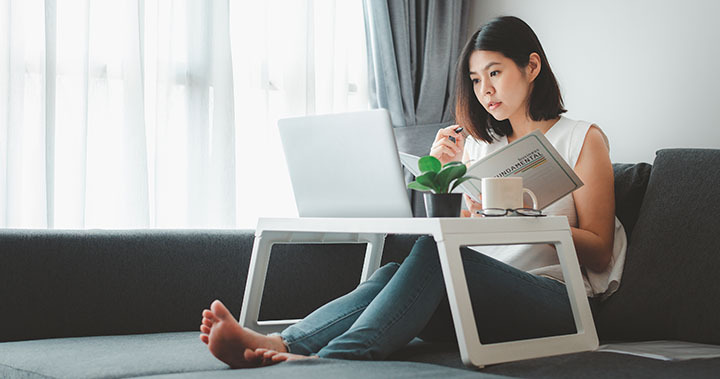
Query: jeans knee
point(384, 273)
point(425, 248)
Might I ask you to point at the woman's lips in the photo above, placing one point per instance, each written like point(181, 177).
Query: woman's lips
point(493, 105)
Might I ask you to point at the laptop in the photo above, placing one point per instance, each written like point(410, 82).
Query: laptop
point(345, 165)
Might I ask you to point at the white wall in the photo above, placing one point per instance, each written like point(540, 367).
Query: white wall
point(647, 72)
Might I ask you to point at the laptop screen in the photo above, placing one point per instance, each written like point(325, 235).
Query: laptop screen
point(345, 165)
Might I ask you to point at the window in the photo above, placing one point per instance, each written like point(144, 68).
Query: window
point(163, 113)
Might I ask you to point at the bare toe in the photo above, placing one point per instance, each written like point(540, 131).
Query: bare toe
point(282, 357)
point(253, 357)
point(208, 314)
point(267, 355)
point(207, 322)
point(220, 311)
point(204, 329)
point(204, 338)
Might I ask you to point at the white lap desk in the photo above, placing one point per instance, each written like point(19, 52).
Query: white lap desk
point(450, 234)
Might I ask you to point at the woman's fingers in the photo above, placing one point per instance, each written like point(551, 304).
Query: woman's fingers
point(451, 136)
point(452, 145)
point(442, 151)
point(472, 205)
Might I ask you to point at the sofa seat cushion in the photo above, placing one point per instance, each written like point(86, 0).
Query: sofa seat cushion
point(107, 357)
point(585, 365)
point(669, 288)
point(180, 355)
point(345, 369)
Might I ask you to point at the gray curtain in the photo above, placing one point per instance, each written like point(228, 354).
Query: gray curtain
point(413, 46)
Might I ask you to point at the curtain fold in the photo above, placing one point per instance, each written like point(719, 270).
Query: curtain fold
point(413, 49)
point(192, 88)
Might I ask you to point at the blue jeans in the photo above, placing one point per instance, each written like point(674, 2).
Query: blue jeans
point(401, 302)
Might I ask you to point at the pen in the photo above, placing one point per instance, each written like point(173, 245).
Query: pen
point(458, 130)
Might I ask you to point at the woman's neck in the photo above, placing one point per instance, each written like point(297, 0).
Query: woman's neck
point(522, 126)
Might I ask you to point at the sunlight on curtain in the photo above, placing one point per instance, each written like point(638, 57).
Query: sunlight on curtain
point(306, 58)
point(22, 116)
point(160, 113)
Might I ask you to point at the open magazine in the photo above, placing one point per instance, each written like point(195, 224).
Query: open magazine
point(531, 157)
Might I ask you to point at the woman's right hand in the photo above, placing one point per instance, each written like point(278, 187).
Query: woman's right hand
point(444, 149)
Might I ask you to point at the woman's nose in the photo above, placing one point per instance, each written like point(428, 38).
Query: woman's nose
point(487, 89)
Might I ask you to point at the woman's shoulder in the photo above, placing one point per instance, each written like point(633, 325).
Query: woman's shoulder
point(569, 136)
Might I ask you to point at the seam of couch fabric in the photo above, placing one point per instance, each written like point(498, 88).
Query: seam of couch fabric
point(28, 371)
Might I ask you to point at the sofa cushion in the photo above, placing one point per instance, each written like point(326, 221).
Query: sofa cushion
point(179, 355)
point(669, 288)
point(182, 355)
point(578, 365)
point(630, 185)
point(417, 139)
point(72, 283)
point(107, 357)
point(95, 282)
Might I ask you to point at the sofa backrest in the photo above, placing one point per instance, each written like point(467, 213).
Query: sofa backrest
point(67, 283)
point(669, 288)
point(631, 180)
point(72, 283)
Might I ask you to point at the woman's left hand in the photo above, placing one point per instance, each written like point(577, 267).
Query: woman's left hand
point(472, 205)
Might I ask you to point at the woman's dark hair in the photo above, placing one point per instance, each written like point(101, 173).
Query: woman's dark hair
point(513, 38)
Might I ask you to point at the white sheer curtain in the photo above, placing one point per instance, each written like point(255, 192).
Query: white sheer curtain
point(152, 113)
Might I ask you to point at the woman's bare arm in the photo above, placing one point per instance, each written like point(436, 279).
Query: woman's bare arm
point(595, 203)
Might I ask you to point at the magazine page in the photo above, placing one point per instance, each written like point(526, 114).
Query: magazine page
point(411, 163)
point(533, 158)
point(664, 350)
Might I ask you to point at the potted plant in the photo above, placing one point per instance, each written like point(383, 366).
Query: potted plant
point(438, 181)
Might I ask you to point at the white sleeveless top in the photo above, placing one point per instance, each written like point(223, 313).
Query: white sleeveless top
point(568, 137)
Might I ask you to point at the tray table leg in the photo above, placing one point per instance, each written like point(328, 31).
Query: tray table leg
point(459, 299)
point(472, 351)
point(260, 259)
point(373, 254)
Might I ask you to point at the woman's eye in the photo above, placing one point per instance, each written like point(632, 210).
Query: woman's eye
point(494, 73)
point(475, 81)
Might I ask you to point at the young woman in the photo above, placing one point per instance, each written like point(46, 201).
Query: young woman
point(505, 90)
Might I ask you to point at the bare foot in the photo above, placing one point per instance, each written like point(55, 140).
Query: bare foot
point(230, 342)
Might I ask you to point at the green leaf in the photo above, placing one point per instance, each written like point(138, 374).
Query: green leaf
point(453, 163)
point(460, 180)
point(428, 180)
point(429, 163)
point(418, 186)
point(447, 175)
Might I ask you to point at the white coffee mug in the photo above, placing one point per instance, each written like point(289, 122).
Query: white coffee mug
point(505, 193)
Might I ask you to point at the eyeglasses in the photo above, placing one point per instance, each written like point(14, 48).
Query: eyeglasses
point(499, 212)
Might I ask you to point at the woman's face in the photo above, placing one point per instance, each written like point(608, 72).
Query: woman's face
point(499, 84)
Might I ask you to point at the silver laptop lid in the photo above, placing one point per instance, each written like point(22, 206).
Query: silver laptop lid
point(345, 165)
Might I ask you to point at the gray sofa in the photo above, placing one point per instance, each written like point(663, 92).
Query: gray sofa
point(96, 303)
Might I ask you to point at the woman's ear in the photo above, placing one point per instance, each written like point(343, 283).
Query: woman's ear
point(533, 68)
